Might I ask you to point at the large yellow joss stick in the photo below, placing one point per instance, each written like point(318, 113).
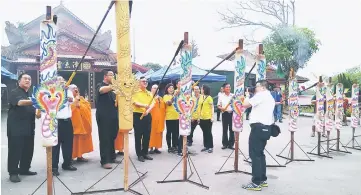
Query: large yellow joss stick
point(124, 78)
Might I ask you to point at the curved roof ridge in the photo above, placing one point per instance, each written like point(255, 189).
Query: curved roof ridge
point(56, 9)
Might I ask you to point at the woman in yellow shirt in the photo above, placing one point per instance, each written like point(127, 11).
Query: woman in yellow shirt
point(172, 119)
point(206, 118)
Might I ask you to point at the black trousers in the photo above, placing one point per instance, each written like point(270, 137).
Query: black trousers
point(257, 143)
point(194, 124)
point(218, 114)
point(206, 126)
point(172, 135)
point(65, 141)
point(20, 150)
point(227, 126)
point(107, 131)
point(248, 111)
point(142, 130)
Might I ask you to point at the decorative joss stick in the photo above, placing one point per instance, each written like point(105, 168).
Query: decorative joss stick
point(293, 103)
point(49, 96)
point(261, 68)
point(320, 109)
point(330, 111)
point(261, 64)
point(354, 106)
point(183, 103)
point(339, 106)
point(237, 99)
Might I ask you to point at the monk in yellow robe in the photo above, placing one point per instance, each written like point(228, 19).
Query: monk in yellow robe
point(82, 126)
point(158, 121)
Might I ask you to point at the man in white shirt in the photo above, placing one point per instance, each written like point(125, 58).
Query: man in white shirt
point(223, 100)
point(261, 118)
point(220, 93)
point(65, 135)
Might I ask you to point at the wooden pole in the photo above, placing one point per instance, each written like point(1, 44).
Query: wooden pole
point(292, 145)
point(124, 78)
point(236, 152)
point(49, 172)
point(185, 153)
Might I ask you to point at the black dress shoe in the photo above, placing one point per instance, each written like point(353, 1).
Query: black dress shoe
point(70, 168)
point(120, 153)
point(141, 158)
point(224, 147)
point(14, 178)
point(231, 147)
point(56, 172)
point(28, 173)
point(147, 157)
point(156, 151)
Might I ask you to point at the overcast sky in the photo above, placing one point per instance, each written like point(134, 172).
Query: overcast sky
point(159, 25)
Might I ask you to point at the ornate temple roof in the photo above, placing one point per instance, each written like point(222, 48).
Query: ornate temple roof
point(74, 35)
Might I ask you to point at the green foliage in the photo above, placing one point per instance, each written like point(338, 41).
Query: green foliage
point(153, 66)
point(344, 78)
point(307, 109)
point(290, 47)
point(348, 112)
point(354, 74)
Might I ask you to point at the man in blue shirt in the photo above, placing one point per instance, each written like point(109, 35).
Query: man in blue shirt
point(277, 96)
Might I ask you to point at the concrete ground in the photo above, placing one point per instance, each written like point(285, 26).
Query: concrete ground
point(340, 175)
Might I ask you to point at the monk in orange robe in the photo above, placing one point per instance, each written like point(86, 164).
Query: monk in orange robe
point(82, 126)
point(158, 121)
point(119, 143)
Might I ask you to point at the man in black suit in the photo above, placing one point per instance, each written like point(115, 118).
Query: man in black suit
point(20, 130)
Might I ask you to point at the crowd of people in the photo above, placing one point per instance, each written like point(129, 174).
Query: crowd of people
point(75, 125)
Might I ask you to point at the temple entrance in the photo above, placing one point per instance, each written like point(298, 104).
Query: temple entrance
point(80, 80)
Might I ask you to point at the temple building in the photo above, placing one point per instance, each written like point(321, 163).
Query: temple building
point(73, 38)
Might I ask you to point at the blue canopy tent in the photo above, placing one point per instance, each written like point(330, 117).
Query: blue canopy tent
point(197, 73)
point(6, 73)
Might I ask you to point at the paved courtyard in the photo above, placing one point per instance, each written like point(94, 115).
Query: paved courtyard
point(339, 176)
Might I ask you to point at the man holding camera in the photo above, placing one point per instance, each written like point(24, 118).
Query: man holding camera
point(261, 119)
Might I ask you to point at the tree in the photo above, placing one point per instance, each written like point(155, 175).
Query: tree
point(274, 13)
point(290, 47)
point(349, 77)
point(287, 46)
point(346, 82)
point(153, 66)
